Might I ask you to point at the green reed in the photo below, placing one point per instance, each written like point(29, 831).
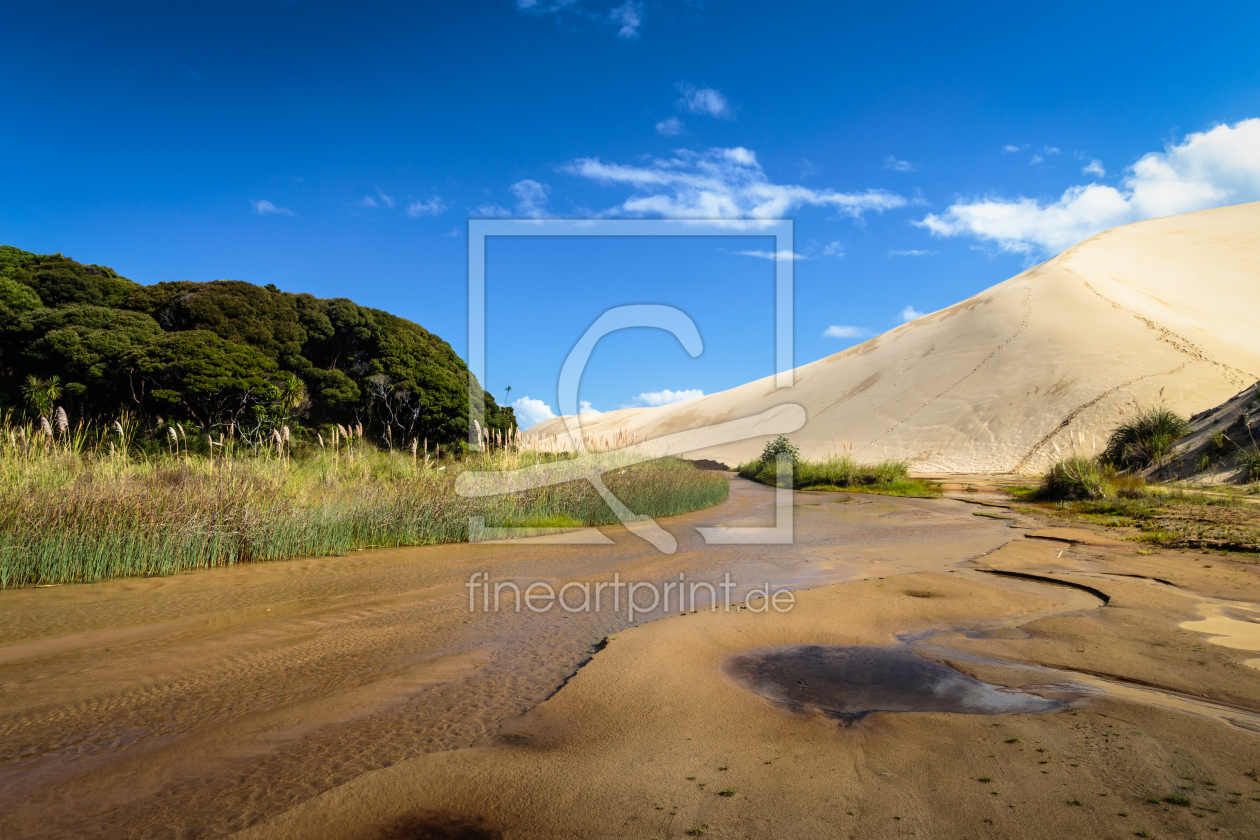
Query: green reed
point(72, 511)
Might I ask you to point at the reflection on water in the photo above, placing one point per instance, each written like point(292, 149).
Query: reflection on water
point(853, 681)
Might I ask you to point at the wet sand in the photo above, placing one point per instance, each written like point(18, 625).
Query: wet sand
point(200, 704)
point(1158, 735)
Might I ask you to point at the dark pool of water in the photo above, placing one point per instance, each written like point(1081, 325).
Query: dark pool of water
point(851, 682)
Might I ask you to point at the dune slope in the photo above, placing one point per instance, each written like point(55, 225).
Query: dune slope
point(1166, 310)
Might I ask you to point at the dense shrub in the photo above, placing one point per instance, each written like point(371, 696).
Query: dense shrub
point(1076, 478)
point(1146, 440)
point(115, 344)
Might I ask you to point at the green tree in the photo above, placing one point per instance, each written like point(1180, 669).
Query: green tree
point(86, 345)
point(42, 394)
point(112, 343)
point(213, 380)
point(231, 309)
point(60, 280)
point(292, 397)
point(780, 446)
point(17, 297)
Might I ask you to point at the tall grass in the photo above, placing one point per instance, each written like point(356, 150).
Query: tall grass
point(79, 505)
point(1080, 478)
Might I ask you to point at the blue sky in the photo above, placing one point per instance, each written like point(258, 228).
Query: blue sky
point(924, 150)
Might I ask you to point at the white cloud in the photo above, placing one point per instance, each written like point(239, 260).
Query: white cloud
point(841, 331)
point(531, 198)
point(543, 8)
point(1052, 150)
point(264, 207)
point(912, 253)
point(628, 17)
point(718, 183)
point(1094, 167)
point(1207, 169)
point(833, 249)
point(670, 127)
point(454, 232)
point(1036, 159)
point(705, 101)
point(432, 207)
point(531, 412)
point(585, 407)
point(366, 201)
point(909, 314)
point(899, 165)
point(531, 202)
point(665, 397)
point(388, 200)
point(1010, 149)
point(774, 255)
point(492, 211)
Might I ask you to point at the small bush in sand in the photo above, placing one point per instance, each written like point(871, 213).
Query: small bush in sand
point(1146, 440)
point(1077, 477)
point(779, 446)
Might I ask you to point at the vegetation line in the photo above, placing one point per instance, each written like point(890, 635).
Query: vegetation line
point(86, 504)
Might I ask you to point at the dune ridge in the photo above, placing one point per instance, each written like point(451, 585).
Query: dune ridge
point(1165, 311)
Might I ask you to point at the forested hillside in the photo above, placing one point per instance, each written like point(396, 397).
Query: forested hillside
point(95, 343)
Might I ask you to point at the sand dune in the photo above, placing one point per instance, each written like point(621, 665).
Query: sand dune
point(1167, 309)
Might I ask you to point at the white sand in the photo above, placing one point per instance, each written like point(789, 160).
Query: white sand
point(1049, 358)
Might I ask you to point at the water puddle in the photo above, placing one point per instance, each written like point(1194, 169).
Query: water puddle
point(849, 682)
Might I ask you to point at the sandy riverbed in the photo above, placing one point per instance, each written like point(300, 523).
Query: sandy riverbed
point(358, 697)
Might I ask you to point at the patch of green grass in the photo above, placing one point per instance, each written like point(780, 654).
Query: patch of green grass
point(1012, 740)
point(1178, 799)
point(1174, 518)
point(844, 473)
point(729, 791)
point(986, 778)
